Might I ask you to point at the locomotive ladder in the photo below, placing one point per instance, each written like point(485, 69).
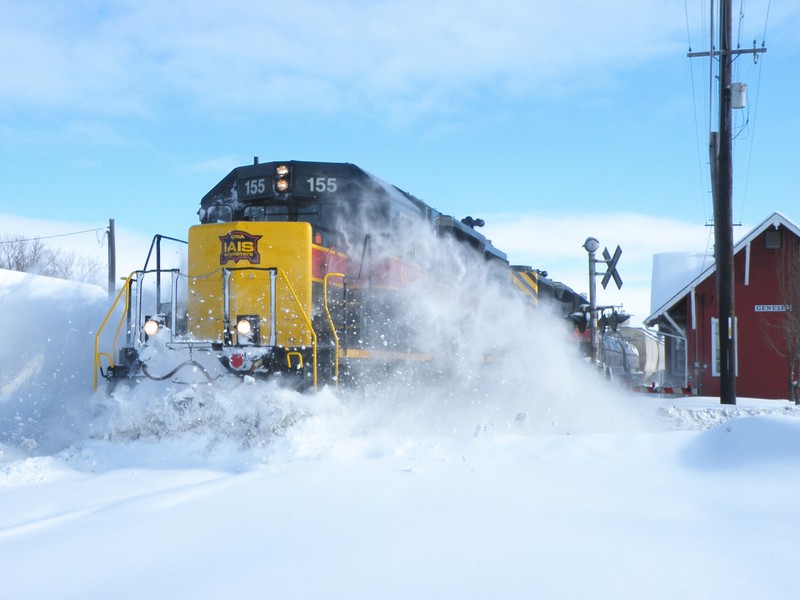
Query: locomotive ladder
point(332, 325)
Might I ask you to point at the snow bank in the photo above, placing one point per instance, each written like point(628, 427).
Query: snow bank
point(47, 360)
point(531, 483)
point(382, 514)
point(764, 441)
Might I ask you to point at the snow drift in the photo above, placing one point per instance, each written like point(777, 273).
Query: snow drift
point(535, 482)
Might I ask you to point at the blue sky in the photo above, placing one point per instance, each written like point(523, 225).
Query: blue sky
point(551, 119)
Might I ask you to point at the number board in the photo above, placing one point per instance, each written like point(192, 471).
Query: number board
point(309, 183)
point(315, 183)
point(255, 187)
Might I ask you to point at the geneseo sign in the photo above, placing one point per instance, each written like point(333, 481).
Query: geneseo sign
point(773, 307)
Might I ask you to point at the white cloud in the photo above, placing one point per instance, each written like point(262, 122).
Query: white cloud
point(546, 236)
point(398, 58)
point(554, 243)
point(124, 58)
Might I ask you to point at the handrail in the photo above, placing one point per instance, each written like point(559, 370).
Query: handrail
point(97, 354)
point(157, 243)
point(307, 320)
point(126, 291)
point(303, 312)
point(332, 324)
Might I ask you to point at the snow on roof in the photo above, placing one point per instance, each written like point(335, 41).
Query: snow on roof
point(775, 220)
point(672, 271)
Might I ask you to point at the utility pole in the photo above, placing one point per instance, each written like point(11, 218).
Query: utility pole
point(721, 159)
point(112, 259)
point(723, 217)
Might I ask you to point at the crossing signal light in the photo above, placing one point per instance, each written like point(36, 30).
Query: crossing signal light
point(581, 320)
point(612, 320)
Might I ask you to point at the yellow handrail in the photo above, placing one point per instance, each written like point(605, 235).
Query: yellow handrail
point(125, 289)
point(307, 320)
point(110, 356)
point(333, 326)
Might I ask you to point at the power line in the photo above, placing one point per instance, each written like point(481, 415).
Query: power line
point(755, 115)
point(739, 25)
point(701, 164)
point(47, 237)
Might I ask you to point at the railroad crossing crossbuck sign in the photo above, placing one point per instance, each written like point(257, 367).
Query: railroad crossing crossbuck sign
point(612, 268)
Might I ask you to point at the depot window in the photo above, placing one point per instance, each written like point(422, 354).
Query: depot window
point(715, 346)
point(772, 239)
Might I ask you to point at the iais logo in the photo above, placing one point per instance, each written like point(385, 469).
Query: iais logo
point(239, 245)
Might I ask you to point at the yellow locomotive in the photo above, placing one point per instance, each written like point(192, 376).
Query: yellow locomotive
point(298, 270)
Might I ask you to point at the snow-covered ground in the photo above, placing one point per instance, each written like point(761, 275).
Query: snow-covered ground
point(547, 484)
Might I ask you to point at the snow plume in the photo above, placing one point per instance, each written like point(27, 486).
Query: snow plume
point(229, 424)
point(489, 364)
point(498, 363)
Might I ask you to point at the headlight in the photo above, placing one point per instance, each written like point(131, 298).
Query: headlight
point(243, 327)
point(282, 178)
point(151, 327)
point(248, 330)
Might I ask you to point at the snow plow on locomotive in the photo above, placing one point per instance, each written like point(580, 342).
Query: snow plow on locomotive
point(301, 271)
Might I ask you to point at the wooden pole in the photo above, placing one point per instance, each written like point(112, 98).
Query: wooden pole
point(723, 217)
point(721, 159)
point(112, 259)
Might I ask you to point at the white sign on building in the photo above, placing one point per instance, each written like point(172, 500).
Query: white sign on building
point(773, 307)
